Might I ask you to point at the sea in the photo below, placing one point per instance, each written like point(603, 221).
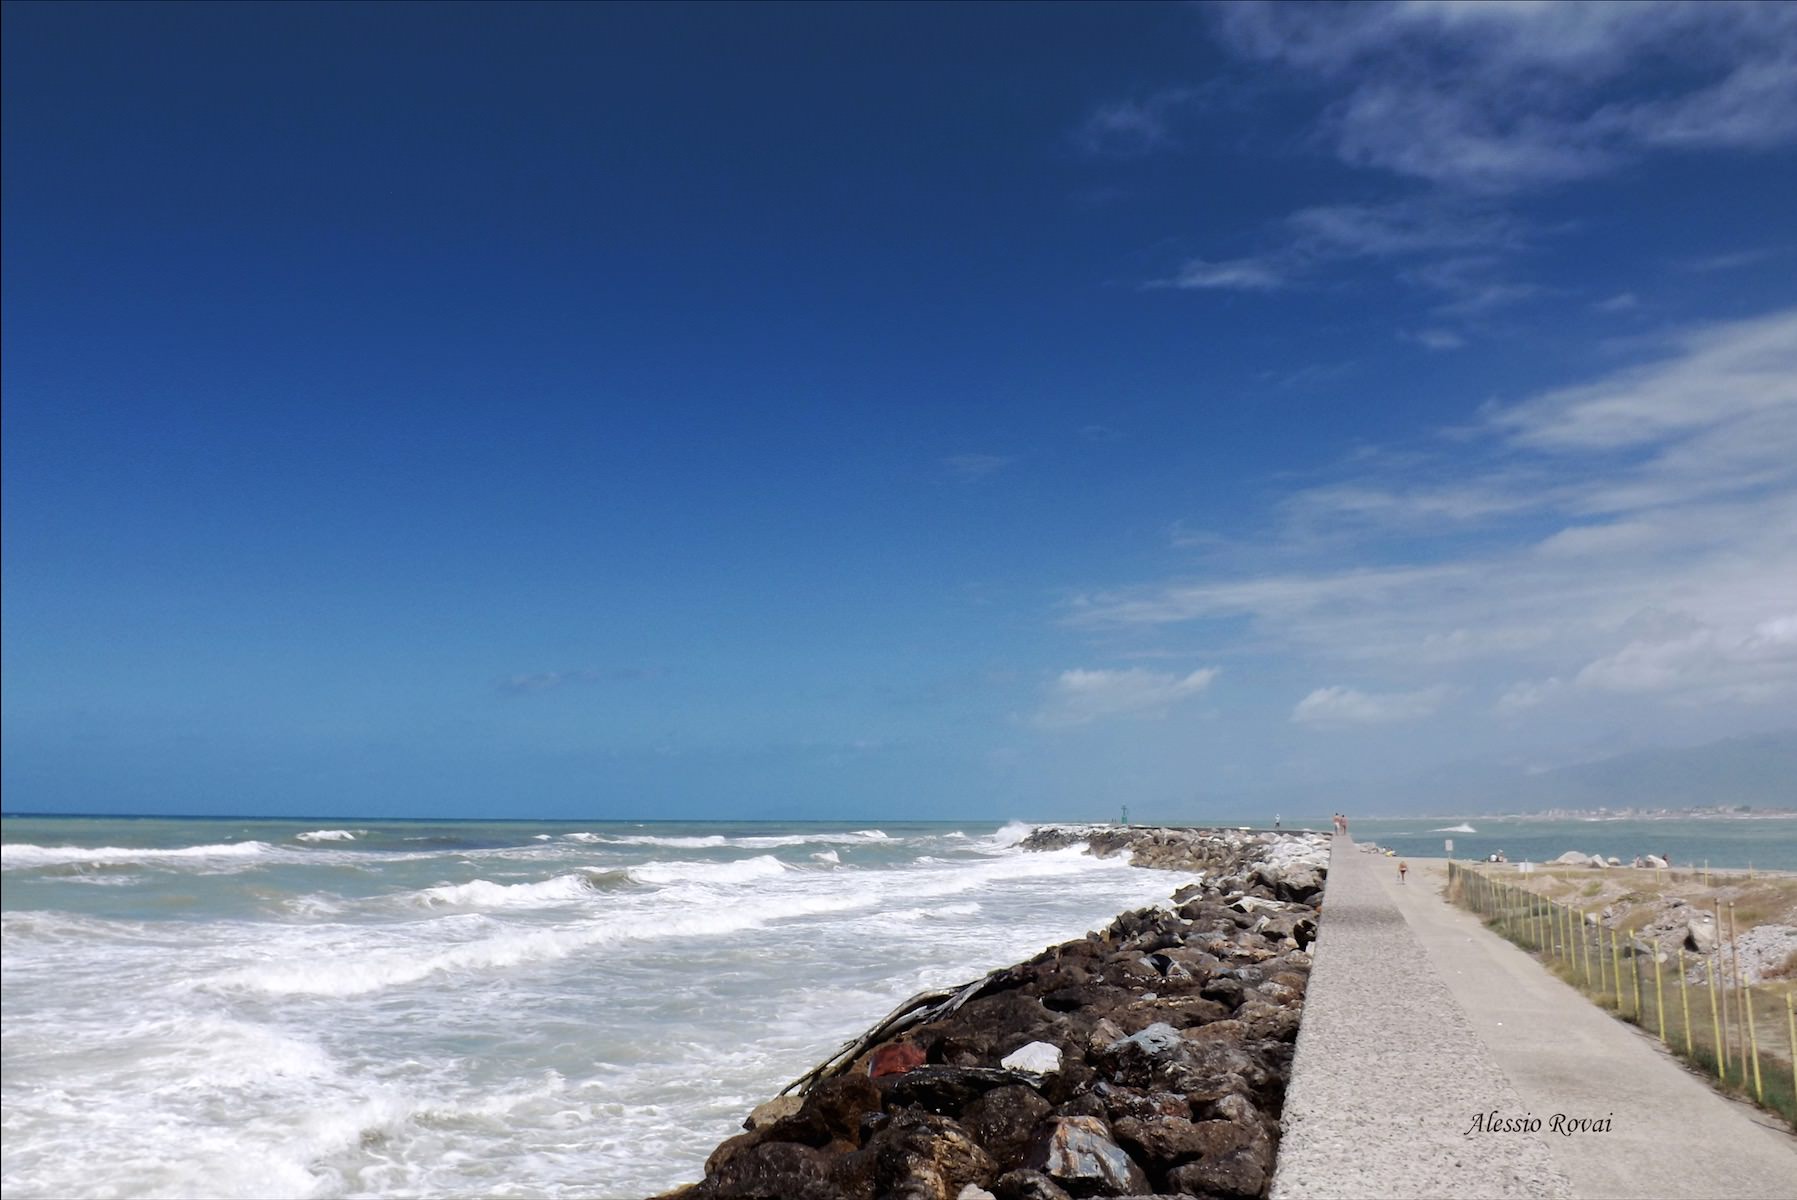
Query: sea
point(256, 1008)
point(1733, 843)
point(209, 1007)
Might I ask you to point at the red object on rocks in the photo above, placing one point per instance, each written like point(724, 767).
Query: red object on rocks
point(895, 1058)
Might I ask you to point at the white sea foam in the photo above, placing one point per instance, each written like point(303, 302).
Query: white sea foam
point(483, 893)
point(326, 835)
point(23, 855)
point(364, 1022)
point(707, 842)
point(769, 841)
point(506, 946)
point(1009, 834)
point(744, 870)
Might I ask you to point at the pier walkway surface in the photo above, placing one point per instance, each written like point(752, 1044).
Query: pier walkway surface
point(1418, 1020)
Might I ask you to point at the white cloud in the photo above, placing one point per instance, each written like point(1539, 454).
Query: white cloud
point(1758, 663)
point(1495, 97)
point(1077, 697)
point(1240, 274)
point(1667, 486)
point(1471, 235)
point(1125, 128)
point(1731, 261)
point(1520, 697)
point(1438, 339)
point(971, 467)
point(1716, 377)
point(1620, 302)
point(1350, 706)
point(1403, 227)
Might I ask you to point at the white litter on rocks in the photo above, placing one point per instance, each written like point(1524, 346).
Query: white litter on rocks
point(1039, 1058)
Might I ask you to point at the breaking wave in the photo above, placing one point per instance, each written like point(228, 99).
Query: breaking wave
point(24, 855)
point(482, 893)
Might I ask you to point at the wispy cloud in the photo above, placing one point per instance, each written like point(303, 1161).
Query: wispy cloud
point(1079, 697)
point(1497, 97)
point(973, 467)
point(1437, 339)
point(1454, 248)
point(1350, 706)
point(1126, 128)
point(548, 681)
point(1240, 274)
point(1620, 302)
point(1733, 260)
point(1527, 694)
point(1673, 486)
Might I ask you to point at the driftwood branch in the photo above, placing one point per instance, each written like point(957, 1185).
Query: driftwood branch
point(920, 1009)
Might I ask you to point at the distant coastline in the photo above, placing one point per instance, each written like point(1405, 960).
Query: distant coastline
point(1612, 814)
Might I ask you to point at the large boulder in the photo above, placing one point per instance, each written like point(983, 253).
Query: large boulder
point(774, 1171)
point(1700, 933)
point(945, 1090)
point(1003, 1121)
point(1234, 1159)
point(1160, 1142)
point(1079, 1155)
point(1574, 858)
point(921, 1156)
point(1028, 1185)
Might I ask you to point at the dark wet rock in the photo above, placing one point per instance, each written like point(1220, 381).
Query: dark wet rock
point(986, 1029)
point(775, 1171)
point(1028, 1185)
point(1235, 1160)
point(1120, 1102)
point(927, 1157)
point(1079, 1155)
point(1004, 1119)
point(946, 1090)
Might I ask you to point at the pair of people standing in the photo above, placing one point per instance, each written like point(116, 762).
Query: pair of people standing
point(1341, 823)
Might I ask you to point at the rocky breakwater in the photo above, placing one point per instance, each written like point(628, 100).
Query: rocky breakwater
point(1148, 1058)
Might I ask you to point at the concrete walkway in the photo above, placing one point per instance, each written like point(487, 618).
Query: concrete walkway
point(1419, 1019)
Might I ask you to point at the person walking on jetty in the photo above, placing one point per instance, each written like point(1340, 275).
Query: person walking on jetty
point(1403, 870)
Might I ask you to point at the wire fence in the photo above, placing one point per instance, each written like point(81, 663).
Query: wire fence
point(1743, 1036)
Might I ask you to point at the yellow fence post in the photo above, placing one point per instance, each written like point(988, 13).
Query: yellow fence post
point(1709, 969)
point(1606, 979)
point(1616, 970)
point(1753, 1040)
point(1734, 951)
point(1684, 995)
point(1791, 1033)
point(1659, 994)
point(1585, 946)
point(1719, 966)
point(1635, 974)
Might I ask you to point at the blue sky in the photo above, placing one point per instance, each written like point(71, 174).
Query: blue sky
point(887, 410)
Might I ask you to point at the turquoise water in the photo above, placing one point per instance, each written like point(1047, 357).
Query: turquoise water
point(366, 1008)
point(1768, 844)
